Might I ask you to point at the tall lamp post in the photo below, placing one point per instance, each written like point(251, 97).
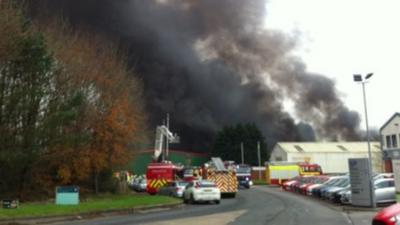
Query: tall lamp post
point(363, 80)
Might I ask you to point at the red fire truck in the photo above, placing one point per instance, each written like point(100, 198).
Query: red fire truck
point(159, 173)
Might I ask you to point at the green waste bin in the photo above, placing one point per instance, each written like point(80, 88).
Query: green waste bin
point(67, 195)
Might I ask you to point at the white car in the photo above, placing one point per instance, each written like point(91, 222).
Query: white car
point(201, 191)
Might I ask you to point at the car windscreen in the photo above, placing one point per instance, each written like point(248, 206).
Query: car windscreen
point(333, 182)
point(340, 182)
point(243, 170)
point(206, 184)
point(181, 183)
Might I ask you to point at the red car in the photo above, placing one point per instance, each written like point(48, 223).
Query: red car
point(388, 216)
point(315, 180)
point(287, 184)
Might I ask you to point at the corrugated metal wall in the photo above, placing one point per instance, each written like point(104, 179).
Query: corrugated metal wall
point(336, 162)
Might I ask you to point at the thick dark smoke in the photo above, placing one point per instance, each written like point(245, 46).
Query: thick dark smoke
point(213, 63)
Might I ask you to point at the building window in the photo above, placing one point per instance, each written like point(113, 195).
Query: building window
point(394, 141)
point(298, 148)
point(388, 141)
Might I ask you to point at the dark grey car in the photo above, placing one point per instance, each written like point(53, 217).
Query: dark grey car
point(175, 189)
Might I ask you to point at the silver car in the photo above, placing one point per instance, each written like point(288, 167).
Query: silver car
point(175, 189)
point(140, 185)
point(385, 192)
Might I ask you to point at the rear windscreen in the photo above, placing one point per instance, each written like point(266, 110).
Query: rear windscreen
point(243, 170)
point(206, 184)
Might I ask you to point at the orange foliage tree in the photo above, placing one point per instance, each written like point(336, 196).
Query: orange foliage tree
point(111, 116)
point(71, 110)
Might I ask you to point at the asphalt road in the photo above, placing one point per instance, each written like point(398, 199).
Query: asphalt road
point(256, 206)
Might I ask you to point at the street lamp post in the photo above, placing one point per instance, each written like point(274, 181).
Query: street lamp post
point(358, 78)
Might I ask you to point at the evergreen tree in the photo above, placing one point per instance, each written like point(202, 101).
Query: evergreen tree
point(228, 144)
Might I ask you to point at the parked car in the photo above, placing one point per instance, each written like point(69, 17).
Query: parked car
point(345, 198)
point(318, 192)
point(302, 182)
point(321, 182)
point(201, 191)
point(330, 193)
point(337, 196)
point(315, 180)
point(388, 216)
point(287, 184)
point(140, 185)
point(175, 189)
point(385, 192)
point(383, 175)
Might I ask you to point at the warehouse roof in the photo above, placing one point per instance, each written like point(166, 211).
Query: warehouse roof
point(333, 147)
point(387, 122)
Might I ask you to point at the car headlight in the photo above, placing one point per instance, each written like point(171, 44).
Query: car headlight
point(247, 179)
point(396, 219)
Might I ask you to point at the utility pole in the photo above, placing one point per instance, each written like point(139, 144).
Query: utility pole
point(167, 142)
point(359, 78)
point(242, 151)
point(259, 159)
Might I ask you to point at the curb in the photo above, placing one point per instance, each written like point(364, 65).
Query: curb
point(87, 215)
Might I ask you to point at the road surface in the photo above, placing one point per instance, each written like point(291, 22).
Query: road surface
point(256, 206)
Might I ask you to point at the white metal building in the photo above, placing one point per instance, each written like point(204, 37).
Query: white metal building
point(390, 133)
point(332, 156)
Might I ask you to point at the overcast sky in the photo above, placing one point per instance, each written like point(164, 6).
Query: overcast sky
point(339, 38)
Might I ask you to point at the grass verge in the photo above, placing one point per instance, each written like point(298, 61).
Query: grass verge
point(93, 204)
point(259, 182)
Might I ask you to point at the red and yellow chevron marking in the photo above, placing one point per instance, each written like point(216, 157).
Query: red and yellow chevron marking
point(157, 183)
point(226, 182)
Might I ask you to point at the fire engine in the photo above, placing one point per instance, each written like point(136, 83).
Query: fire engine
point(279, 172)
point(224, 178)
point(159, 173)
point(191, 173)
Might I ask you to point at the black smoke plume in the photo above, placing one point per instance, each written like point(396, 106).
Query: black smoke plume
point(213, 63)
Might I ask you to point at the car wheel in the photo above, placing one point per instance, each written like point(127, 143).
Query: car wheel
point(185, 200)
point(217, 202)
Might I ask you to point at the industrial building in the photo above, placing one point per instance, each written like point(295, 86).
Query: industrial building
point(390, 133)
point(331, 156)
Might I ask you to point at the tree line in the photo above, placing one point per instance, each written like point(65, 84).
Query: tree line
point(70, 110)
point(231, 140)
